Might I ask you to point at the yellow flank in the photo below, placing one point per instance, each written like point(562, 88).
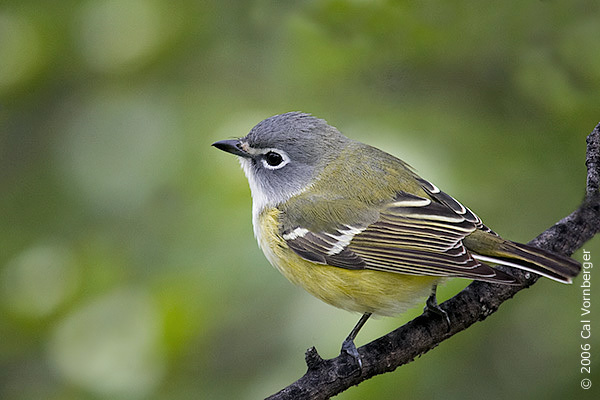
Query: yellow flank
point(382, 293)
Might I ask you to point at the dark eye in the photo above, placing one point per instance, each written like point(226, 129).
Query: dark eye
point(273, 159)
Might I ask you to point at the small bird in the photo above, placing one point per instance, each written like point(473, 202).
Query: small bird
point(359, 229)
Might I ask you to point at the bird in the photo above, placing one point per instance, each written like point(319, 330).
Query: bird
point(359, 229)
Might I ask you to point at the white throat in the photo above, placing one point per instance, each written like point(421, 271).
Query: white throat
point(261, 199)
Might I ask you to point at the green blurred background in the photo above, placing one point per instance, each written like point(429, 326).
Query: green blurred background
point(128, 267)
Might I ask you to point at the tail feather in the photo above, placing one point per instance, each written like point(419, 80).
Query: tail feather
point(551, 265)
point(488, 247)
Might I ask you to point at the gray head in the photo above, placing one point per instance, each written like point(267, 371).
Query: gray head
point(282, 154)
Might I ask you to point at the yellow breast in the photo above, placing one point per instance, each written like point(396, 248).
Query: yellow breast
point(383, 293)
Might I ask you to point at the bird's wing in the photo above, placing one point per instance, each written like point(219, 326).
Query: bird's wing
point(414, 235)
point(443, 198)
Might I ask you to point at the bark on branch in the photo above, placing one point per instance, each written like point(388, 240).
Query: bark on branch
point(326, 378)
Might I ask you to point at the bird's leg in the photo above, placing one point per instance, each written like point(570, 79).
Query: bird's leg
point(348, 345)
point(431, 305)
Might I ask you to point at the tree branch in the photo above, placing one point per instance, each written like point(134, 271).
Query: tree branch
point(326, 378)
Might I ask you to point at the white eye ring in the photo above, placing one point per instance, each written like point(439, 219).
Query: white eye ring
point(285, 159)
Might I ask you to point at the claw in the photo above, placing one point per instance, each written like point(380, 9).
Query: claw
point(349, 347)
point(432, 306)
